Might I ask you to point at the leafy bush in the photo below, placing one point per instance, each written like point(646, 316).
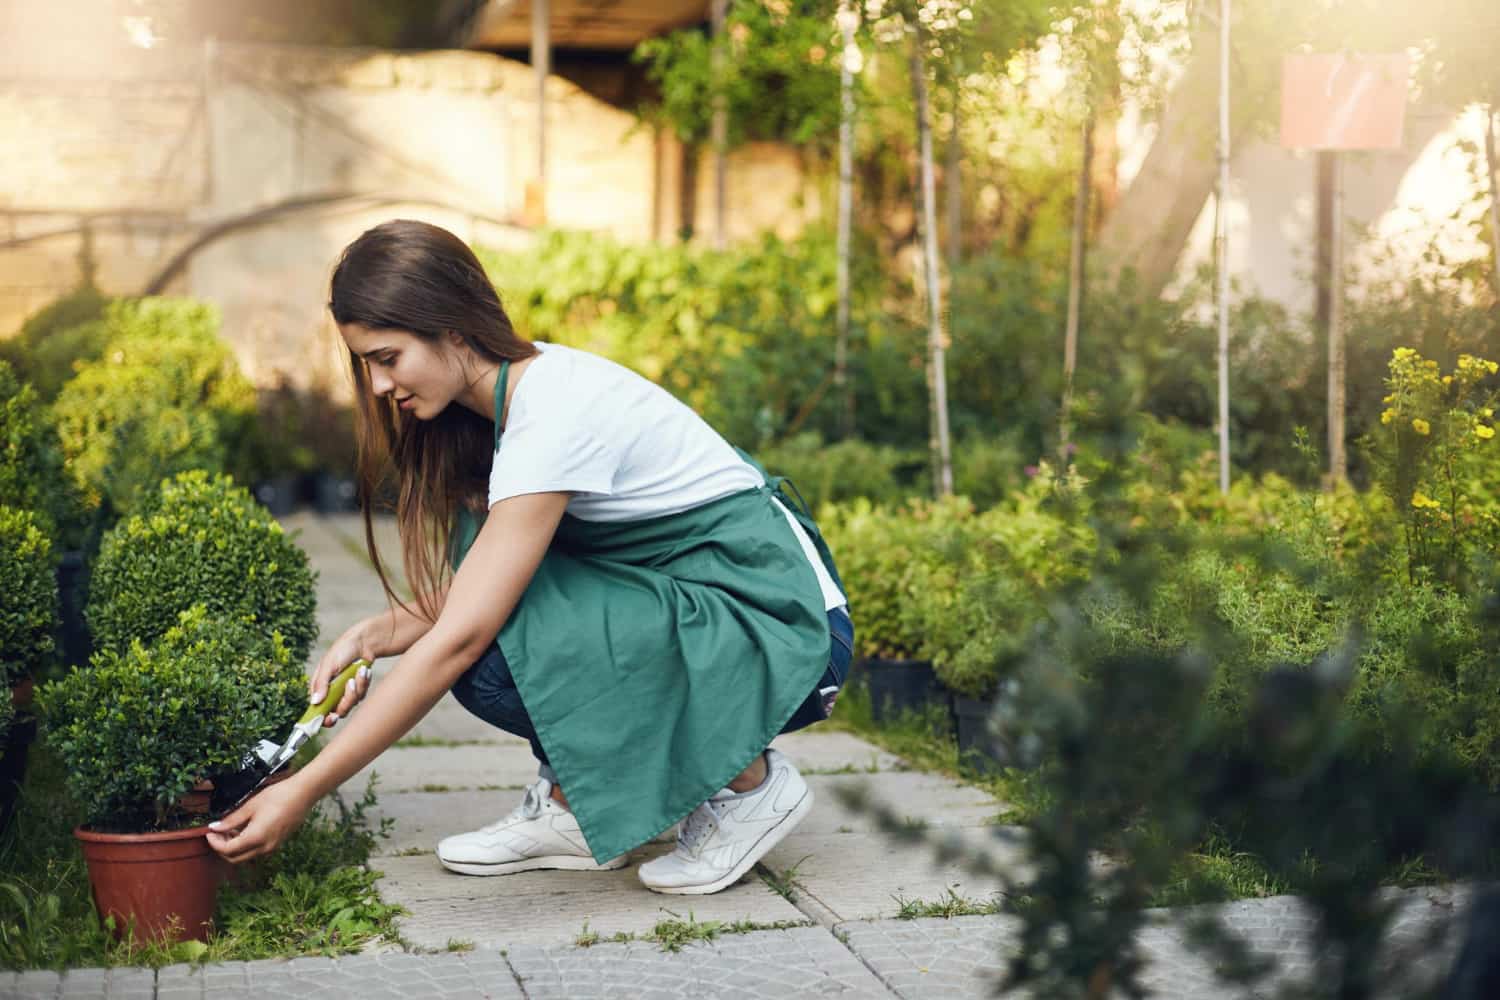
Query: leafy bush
point(986, 592)
point(137, 728)
point(166, 396)
point(28, 615)
point(1434, 455)
point(844, 470)
point(887, 556)
point(201, 540)
point(31, 471)
point(745, 337)
point(57, 338)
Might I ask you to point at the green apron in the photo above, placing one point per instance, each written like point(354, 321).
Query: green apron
point(657, 657)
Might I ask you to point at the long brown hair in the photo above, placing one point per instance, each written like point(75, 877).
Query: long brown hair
point(421, 279)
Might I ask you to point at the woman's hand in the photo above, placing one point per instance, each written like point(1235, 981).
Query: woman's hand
point(260, 824)
point(345, 650)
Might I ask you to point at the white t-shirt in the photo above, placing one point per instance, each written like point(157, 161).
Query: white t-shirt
point(623, 446)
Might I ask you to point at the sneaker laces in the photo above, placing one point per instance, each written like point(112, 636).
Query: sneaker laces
point(696, 828)
point(530, 806)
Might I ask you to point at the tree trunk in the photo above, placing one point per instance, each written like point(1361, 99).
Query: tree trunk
point(953, 188)
point(942, 460)
point(1076, 270)
point(1151, 224)
point(842, 389)
point(720, 130)
point(1493, 165)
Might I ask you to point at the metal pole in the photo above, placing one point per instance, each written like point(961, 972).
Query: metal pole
point(720, 128)
point(1222, 245)
point(1338, 465)
point(541, 66)
point(846, 20)
point(936, 341)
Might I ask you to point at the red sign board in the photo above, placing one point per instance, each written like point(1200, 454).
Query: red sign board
point(1344, 101)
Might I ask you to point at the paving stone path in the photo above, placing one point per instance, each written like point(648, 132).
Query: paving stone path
point(816, 919)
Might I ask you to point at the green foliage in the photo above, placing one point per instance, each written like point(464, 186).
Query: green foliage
point(200, 539)
point(844, 470)
point(28, 616)
point(1434, 455)
point(54, 340)
point(779, 76)
point(167, 395)
point(981, 597)
point(31, 471)
point(887, 557)
point(136, 729)
point(745, 337)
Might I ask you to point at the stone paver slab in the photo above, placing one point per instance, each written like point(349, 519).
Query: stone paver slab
point(819, 750)
point(451, 976)
point(551, 907)
point(422, 818)
point(861, 876)
point(467, 767)
point(962, 958)
point(766, 965)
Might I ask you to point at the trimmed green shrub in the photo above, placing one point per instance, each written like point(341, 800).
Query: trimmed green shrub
point(844, 470)
point(31, 471)
point(55, 339)
point(166, 396)
point(28, 613)
point(987, 590)
point(887, 556)
point(137, 728)
point(200, 540)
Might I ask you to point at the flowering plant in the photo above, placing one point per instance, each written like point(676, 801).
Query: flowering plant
point(1434, 457)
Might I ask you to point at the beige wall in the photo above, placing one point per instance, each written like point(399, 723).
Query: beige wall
point(150, 151)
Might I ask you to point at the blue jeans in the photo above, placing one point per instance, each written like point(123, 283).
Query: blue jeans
point(488, 690)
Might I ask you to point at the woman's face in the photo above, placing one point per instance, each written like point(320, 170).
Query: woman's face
point(421, 375)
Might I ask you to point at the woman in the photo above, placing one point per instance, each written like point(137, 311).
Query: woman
point(626, 591)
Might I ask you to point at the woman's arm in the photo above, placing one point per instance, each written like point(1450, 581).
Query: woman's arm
point(483, 593)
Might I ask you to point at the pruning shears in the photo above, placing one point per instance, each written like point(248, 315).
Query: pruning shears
point(266, 757)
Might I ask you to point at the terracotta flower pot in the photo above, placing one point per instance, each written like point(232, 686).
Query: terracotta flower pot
point(165, 883)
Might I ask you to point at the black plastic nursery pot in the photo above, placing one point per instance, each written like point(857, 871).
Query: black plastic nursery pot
point(976, 746)
point(14, 751)
point(77, 645)
point(334, 494)
point(900, 686)
point(279, 495)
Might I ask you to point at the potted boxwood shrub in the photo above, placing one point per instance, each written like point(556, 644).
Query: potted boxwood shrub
point(989, 589)
point(887, 557)
point(32, 478)
point(166, 395)
point(200, 540)
point(136, 730)
point(28, 618)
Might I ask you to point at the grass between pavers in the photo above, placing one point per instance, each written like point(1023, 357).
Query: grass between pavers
point(1217, 873)
point(673, 933)
point(952, 905)
point(314, 896)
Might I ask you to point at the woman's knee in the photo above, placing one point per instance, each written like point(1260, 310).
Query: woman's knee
point(488, 691)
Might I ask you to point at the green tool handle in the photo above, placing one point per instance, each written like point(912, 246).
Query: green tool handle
point(335, 692)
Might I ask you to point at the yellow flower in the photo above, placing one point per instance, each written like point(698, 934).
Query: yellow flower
point(1492, 367)
point(1402, 353)
point(1389, 399)
point(1421, 426)
point(1484, 432)
point(1486, 413)
point(1422, 501)
point(1447, 379)
point(1387, 416)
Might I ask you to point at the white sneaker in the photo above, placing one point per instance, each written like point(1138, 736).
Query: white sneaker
point(720, 840)
point(538, 833)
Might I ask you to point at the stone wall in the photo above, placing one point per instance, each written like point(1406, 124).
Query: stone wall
point(236, 173)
